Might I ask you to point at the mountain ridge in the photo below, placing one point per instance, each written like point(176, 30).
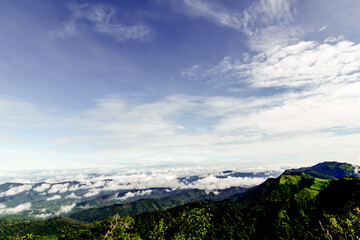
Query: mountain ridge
point(296, 205)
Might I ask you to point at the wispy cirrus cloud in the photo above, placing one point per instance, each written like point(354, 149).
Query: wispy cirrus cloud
point(100, 18)
point(216, 13)
point(266, 23)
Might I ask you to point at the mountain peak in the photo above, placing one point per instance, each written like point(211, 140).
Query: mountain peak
point(326, 170)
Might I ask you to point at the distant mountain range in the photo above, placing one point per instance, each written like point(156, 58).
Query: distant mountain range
point(318, 202)
point(51, 199)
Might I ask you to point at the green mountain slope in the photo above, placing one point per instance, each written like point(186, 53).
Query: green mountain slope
point(326, 170)
point(146, 205)
point(296, 205)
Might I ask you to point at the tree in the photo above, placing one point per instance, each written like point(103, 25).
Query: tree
point(342, 227)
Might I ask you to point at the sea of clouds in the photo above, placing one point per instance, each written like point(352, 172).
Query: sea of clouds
point(83, 184)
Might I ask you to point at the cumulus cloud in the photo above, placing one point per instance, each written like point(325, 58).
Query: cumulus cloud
point(42, 187)
point(92, 192)
point(325, 77)
point(212, 183)
point(55, 197)
point(304, 63)
point(15, 210)
point(74, 188)
point(16, 190)
point(99, 18)
point(73, 195)
point(65, 209)
point(61, 188)
point(143, 181)
point(135, 194)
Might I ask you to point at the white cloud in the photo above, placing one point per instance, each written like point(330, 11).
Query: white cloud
point(270, 22)
point(216, 13)
point(212, 183)
point(312, 105)
point(42, 188)
point(135, 194)
point(15, 210)
point(55, 197)
point(100, 19)
point(61, 188)
point(16, 190)
point(265, 22)
point(322, 28)
point(330, 73)
point(92, 192)
point(73, 195)
point(305, 63)
point(144, 180)
point(191, 73)
point(43, 215)
point(334, 39)
point(15, 113)
point(74, 188)
point(65, 209)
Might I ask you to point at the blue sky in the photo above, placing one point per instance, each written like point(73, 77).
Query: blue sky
point(154, 83)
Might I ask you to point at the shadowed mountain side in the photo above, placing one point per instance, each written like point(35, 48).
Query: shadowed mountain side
point(146, 205)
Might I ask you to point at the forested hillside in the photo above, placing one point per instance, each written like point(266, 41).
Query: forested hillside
point(297, 205)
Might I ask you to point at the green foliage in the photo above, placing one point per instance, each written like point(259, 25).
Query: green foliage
point(342, 226)
point(159, 231)
point(288, 207)
point(114, 227)
point(325, 170)
point(289, 179)
point(56, 227)
point(192, 224)
point(147, 205)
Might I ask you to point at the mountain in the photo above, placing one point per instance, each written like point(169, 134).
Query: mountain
point(50, 199)
point(151, 204)
point(326, 170)
point(296, 205)
point(292, 206)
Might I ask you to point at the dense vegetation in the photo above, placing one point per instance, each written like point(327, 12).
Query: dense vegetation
point(147, 205)
point(296, 205)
